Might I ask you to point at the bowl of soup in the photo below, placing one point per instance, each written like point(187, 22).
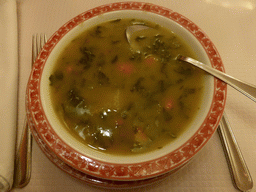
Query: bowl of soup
point(125, 111)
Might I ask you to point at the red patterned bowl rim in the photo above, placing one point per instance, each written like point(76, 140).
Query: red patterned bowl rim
point(125, 172)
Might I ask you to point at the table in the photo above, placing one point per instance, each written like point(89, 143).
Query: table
point(230, 24)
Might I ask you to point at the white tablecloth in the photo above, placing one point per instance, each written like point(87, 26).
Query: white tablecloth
point(230, 24)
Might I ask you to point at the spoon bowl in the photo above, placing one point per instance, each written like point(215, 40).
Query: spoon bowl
point(133, 28)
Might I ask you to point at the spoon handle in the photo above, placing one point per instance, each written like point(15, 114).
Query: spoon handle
point(240, 172)
point(247, 89)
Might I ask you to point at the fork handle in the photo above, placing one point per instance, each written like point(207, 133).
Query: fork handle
point(23, 160)
point(240, 172)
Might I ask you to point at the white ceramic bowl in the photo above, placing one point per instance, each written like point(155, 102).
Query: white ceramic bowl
point(49, 129)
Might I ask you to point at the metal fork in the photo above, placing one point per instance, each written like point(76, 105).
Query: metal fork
point(23, 160)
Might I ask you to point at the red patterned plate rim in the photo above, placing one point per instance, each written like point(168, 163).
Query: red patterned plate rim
point(143, 170)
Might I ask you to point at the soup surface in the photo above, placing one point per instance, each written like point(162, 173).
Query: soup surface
point(121, 98)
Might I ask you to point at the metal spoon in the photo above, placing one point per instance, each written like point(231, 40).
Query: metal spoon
point(240, 172)
point(247, 89)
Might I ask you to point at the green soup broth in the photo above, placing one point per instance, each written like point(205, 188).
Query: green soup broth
point(124, 100)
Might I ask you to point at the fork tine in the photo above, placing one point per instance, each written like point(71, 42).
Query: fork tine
point(43, 40)
point(34, 48)
point(38, 42)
